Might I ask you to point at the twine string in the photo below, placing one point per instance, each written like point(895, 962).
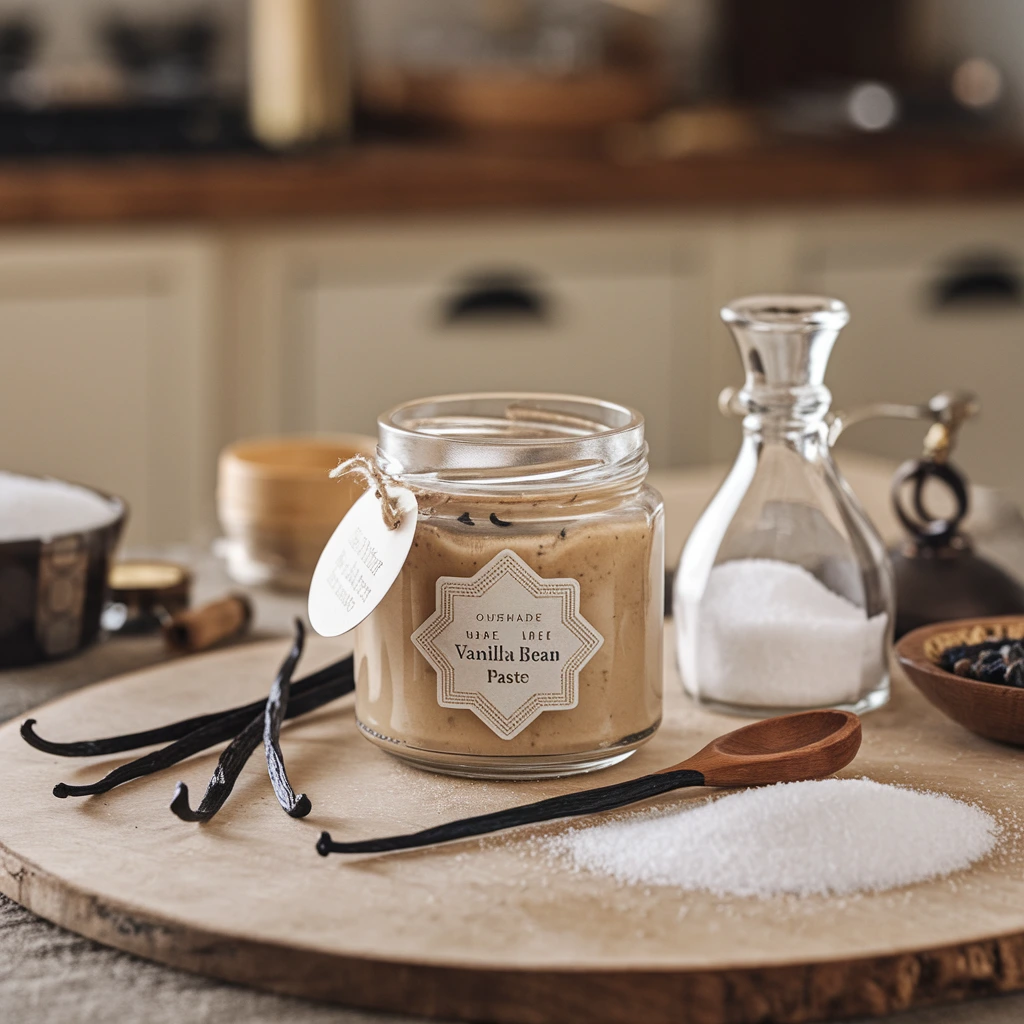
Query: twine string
point(360, 465)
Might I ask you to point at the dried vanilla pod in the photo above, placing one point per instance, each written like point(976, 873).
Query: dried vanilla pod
point(218, 731)
point(587, 801)
point(177, 730)
point(277, 706)
point(237, 752)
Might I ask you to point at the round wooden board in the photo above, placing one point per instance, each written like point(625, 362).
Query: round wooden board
point(491, 930)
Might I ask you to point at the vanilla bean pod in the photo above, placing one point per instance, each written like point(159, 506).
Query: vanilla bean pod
point(237, 752)
point(277, 706)
point(202, 739)
point(224, 777)
point(588, 801)
point(178, 730)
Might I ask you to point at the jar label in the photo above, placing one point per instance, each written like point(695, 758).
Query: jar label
point(360, 563)
point(507, 644)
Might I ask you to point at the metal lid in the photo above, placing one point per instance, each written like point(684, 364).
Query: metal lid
point(143, 592)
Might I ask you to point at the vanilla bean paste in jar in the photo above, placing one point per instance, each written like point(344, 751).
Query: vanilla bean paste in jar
point(523, 636)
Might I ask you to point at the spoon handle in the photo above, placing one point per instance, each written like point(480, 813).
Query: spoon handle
point(589, 801)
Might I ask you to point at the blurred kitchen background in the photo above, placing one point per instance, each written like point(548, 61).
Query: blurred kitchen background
point(255, 217)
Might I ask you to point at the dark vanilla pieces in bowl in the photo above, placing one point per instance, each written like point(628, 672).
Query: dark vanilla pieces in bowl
point(999, 661)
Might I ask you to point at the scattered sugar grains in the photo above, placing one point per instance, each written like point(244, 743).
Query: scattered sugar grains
point(831, 837)
point(34, 508)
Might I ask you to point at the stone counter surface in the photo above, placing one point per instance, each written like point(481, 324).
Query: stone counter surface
point(405, 178)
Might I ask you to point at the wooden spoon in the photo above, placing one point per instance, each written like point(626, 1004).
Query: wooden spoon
point(792, 748)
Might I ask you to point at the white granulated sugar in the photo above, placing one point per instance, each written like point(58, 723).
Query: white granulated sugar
point(31, 508)
point(831, 837)
point(769, 634)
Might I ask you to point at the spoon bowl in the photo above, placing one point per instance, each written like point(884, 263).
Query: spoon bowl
point(791, 748)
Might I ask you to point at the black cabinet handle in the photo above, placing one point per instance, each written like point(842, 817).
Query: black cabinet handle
point(985, 281)
point(497, 297)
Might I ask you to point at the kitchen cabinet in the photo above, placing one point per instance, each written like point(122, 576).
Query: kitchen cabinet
point(108, 367)
point(343, 324)
point(340, 322)
point(127, 358)
point(936, 303)
point(936, 298)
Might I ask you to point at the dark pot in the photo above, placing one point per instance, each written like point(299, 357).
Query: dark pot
point(52, 591)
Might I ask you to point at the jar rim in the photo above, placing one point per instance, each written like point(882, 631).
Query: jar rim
point(525, 433)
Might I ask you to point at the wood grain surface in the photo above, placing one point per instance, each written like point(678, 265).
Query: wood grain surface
point(492, 929)
point(434, 177)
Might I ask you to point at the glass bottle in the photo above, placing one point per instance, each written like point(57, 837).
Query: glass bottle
point(784, 595)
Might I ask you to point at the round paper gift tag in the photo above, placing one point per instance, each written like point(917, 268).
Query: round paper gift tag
point(360, 563)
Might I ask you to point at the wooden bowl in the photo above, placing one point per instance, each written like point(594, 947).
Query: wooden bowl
point(988, 709)
point(501, 100)
point(278, 507)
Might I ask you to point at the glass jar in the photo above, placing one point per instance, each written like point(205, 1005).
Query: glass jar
point(783, 599)
point(523, 636)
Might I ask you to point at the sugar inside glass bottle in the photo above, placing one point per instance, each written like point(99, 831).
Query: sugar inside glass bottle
point(783, 599)
point(523, 635)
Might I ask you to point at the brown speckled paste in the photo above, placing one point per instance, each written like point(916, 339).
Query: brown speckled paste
point(613, 548)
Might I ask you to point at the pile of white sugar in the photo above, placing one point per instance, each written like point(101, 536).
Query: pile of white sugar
point(32, 508)
point(770, 634)
point(832, 837)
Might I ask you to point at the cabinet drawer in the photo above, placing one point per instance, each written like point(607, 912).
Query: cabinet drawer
point(942, 310)
point(535, 311)
point(365, 348)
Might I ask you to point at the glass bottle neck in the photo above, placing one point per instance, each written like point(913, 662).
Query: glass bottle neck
point(784, 342)
point(778, 413)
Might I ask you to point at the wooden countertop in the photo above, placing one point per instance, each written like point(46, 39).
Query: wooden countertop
point(384, 179)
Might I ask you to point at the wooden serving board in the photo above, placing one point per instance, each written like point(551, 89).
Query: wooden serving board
point(493, 929)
